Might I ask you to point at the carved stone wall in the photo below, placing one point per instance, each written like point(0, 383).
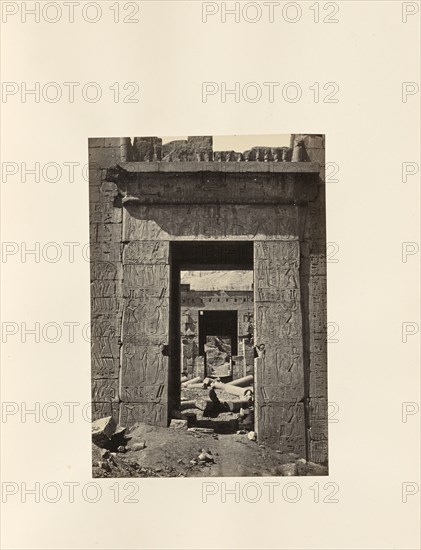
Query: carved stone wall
point(314, 299)
point(279, 373)
point(144, 197)
point(193, 301)
point(106, 268)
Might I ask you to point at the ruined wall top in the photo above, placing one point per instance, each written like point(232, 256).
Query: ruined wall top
point(200, 148)
point(197, 149)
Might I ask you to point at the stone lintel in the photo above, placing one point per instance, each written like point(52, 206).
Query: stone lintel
point(215, 183)
point(240, 167)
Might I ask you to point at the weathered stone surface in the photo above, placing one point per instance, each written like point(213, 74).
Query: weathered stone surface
point(106, 270)
point(139, 278)
point(318, 378)
point(196, 222)
point(108, 233)
point(260, 196)
point(145, 320)
point(104, 367)
point(178, 424)
point(105, 331)
point(101, 253)
point(199, 367)
point(104, 306)
point(318, 429)
point(102, 430)
point(104, 390)
point(217, 351)
point(236, 185)
point(99, 410)
point(149, 413)
point(248, 352)
point(104, 289)
point(278, 325)
point(147, 149)
point(105, 213)
point(195, 148)
point(318, 451)
point(146, 252)
point(238, 367)
point(282, 426)
point(143, 366)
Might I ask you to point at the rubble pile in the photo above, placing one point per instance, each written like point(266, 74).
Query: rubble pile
point(223, 407)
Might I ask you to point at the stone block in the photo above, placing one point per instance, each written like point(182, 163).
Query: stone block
point(139, 278)
point(109, 142)
point(318, 451)
point(146, 320)
point(105, 306)
point(102, 430)
point(99, 410)
point(178, 424)
point(104, 213)
point(282, 426)
point(105, 270)
point(147, 149)
point(104, 157)
point(104, 367)
point(143, 365)
point(109, 233)
point(155, 414)
point(146, 252)
point(205, 142)
point(318, 382)
point(105, 330)
point(103, 289)
point(201, 222)
point(318, 409)
point(105, 390)
point(103, 253)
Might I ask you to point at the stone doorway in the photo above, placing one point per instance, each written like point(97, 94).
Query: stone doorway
point(191, 328)
point(218, 341)
point(183, 205)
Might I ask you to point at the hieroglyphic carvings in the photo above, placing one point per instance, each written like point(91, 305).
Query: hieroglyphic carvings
point(278, 325)
point(318, 429)
point(100, 410)
point(150, 413)
point(143, 365)
point(145, 319)
point(281, 425)
point(144, 375)
point(195, 222)
point(134, 247)
point(105, 349)
point(318, 378)
point(104, 390)
point(146, 252)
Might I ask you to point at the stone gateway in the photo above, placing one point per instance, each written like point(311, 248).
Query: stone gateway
point(157, 209)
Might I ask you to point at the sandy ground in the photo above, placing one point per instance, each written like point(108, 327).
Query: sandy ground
point(168, 453)
point(174, 452)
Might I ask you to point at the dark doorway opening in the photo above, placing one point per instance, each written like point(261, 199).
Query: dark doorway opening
point(209, 336)
point(221, 324)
